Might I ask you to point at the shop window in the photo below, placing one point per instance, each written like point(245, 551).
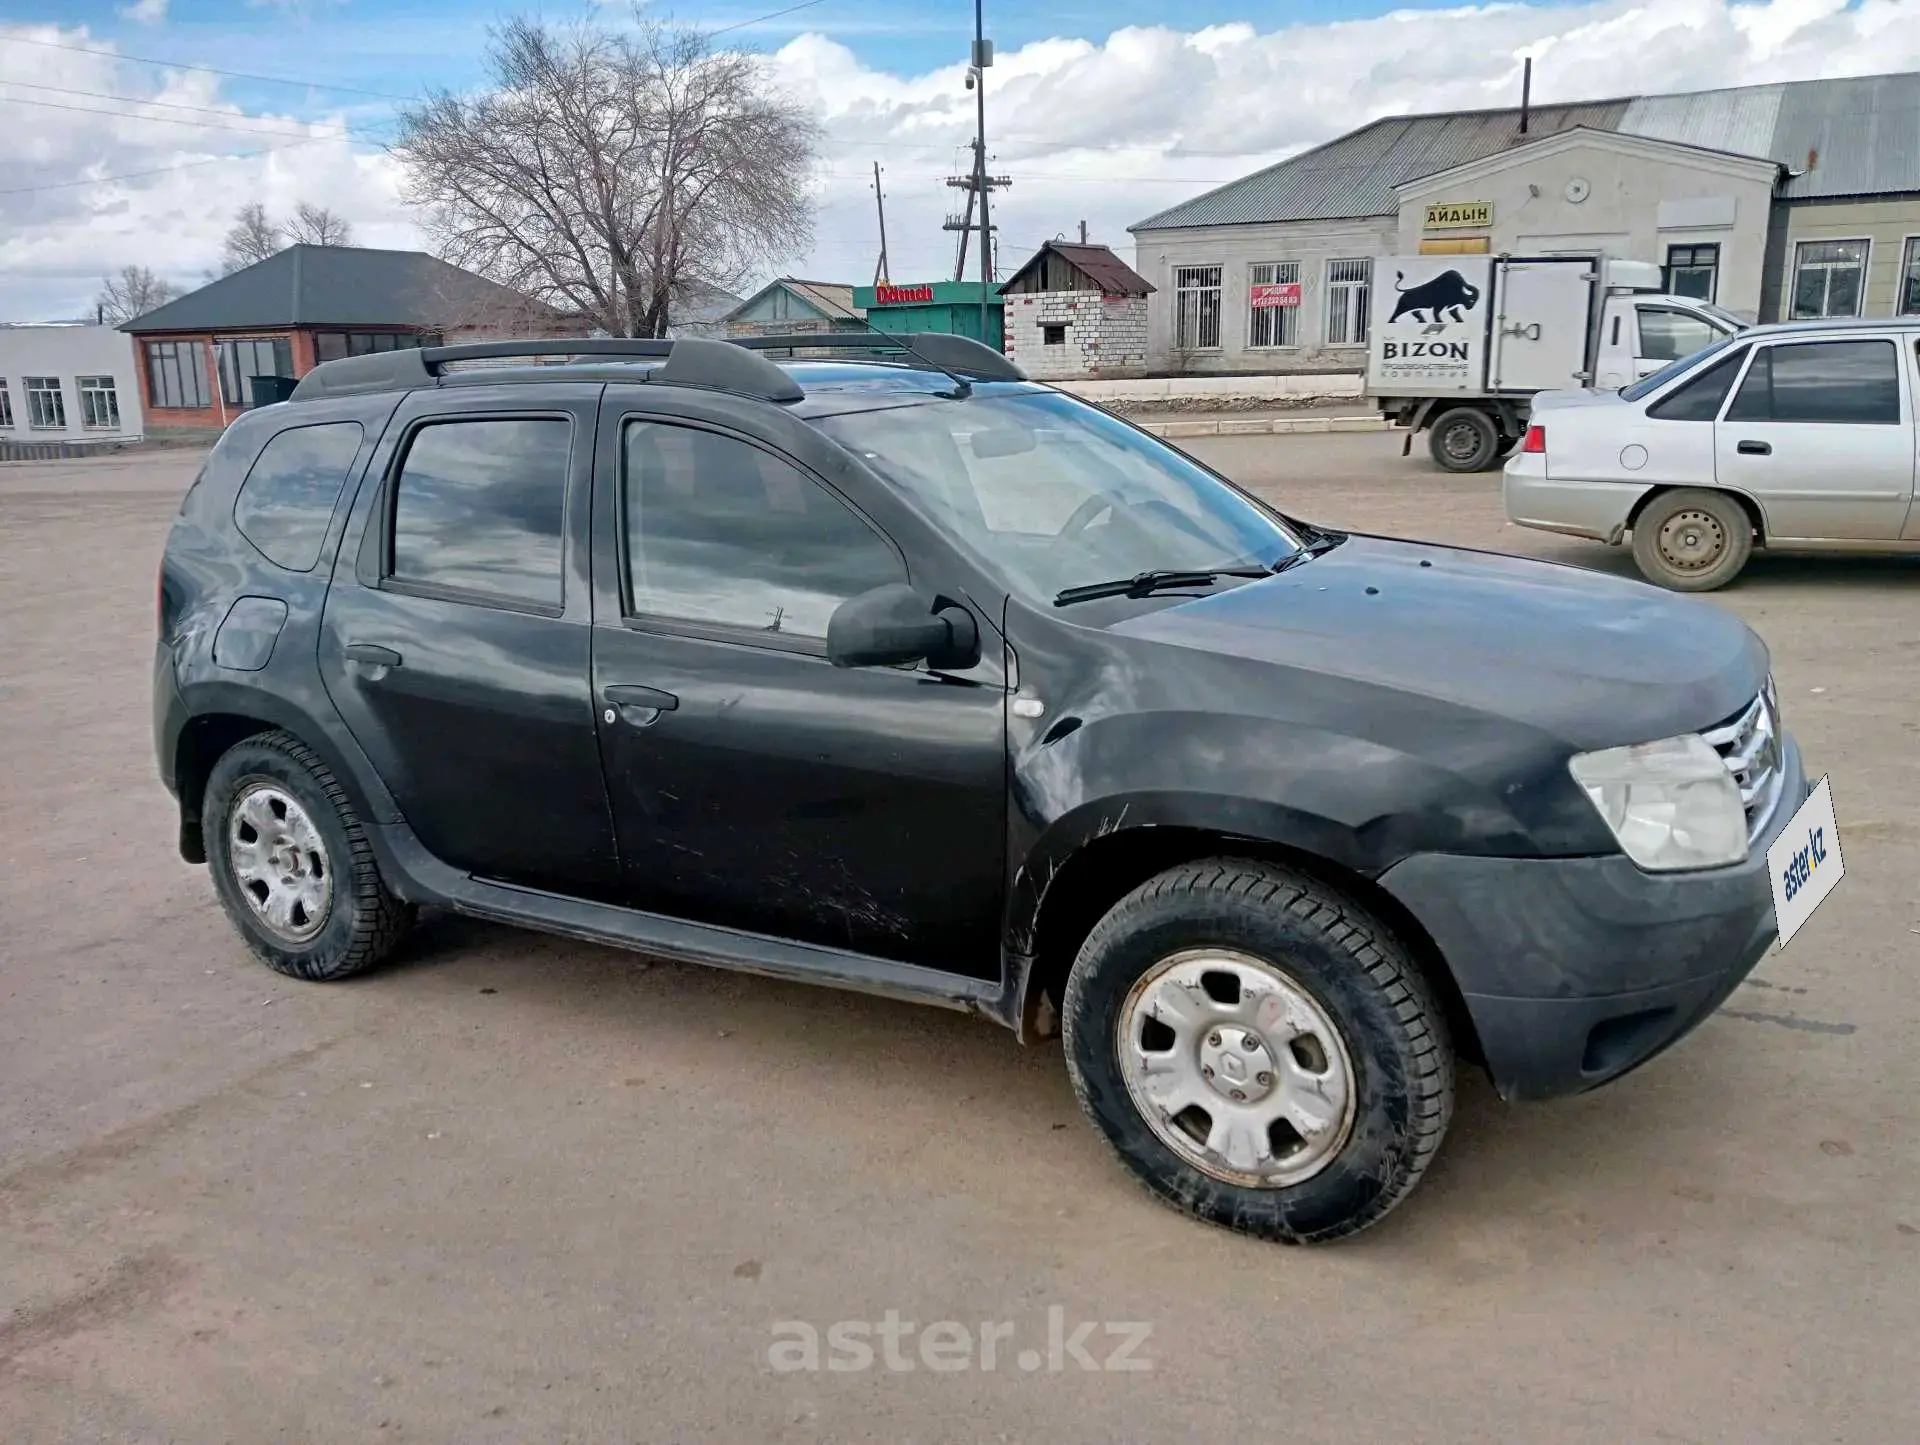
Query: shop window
point(177, 374)
point(1829, 278)
point(1196, 308)
point(1349, 293)
point(1273, 320)
point(241, 361)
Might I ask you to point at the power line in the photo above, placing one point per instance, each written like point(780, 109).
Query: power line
point(761, 19)
point(227, 110)
point(208, 69)
point(162, 170)
point(164, 119)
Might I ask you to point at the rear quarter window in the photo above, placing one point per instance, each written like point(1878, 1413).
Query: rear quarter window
point(287, 501)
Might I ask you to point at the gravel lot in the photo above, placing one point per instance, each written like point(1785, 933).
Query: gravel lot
point(519, 1189)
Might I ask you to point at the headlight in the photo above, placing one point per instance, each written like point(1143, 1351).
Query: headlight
point(1672, 804)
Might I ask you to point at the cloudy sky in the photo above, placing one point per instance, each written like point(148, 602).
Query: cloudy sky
point(136, 127)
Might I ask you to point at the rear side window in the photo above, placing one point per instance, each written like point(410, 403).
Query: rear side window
point(1699, 399)
point(287, 500)
point(479, 509)
point(1847, 382)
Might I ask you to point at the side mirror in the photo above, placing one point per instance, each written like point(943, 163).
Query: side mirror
point(894, 625)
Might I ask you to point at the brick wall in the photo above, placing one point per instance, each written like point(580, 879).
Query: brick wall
point(1105, 335)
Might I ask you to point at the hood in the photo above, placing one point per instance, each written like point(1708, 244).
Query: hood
point(1597, 661)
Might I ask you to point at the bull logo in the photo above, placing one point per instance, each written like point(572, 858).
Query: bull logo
point(1448, 294)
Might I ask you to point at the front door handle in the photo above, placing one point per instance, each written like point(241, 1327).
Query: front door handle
point(373, 656)
point(646, 703)
point(1754, 449)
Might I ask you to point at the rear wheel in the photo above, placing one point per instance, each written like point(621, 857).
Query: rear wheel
point(1692, 540)
point(1259, 1051)
point(1464, 440)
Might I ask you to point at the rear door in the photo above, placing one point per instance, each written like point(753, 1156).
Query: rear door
point(1542, 319)
point(456, 637)
point(1821, 433)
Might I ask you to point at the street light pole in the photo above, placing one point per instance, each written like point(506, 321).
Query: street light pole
point(982, 58)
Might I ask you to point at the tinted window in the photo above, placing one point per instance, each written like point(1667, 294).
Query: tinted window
point(719, 531)
point(287, 500)
point(1699, 399)
point(1855, 382)
point(479, 508)
point(1670, 335)
point(1673, 370)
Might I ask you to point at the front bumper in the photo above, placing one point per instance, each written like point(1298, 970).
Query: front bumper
point(1577, 970)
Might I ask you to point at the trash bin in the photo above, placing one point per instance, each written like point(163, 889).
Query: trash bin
point(266, 390)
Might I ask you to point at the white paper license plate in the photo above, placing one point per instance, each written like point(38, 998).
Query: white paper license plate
point(1805, 862)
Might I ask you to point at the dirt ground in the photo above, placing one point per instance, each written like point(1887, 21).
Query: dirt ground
point(517, 1189)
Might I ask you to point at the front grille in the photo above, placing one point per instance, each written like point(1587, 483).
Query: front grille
point(1749, 743)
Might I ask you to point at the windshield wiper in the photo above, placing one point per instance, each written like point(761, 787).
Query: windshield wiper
point(1144, 584)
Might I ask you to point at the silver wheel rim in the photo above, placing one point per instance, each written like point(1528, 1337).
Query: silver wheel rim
point(1236, 1068)
point(279, 862)
point(1461, 442)
point(1692, 541)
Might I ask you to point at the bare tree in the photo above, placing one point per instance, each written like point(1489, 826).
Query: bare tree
point(134, 292)
point(253, 237)
point(317, 226)
point(606, 171)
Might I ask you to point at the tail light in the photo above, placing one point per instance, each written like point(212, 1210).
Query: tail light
point(1536, 441)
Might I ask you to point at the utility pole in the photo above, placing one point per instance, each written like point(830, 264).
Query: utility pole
point(964, 223)
point(880, 276)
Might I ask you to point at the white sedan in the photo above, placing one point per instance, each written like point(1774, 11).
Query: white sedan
point(1799, 436)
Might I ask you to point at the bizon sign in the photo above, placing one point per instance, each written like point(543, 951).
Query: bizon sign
point(1430, 323)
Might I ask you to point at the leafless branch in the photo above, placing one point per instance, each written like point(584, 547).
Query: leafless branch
point(134, 292)
point(317, 226)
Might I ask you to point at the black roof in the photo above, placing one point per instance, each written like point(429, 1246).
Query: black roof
point(347, 286)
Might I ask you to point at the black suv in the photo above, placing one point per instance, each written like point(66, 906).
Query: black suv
point(896, 671)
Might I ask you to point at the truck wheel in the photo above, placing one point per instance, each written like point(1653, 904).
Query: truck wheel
point(291, 862)
point(1258, 1050)
point(1692, 540)
point(1464, 440)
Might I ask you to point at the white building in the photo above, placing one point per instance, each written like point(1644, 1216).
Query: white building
point(1799, 199)
point(67, 384)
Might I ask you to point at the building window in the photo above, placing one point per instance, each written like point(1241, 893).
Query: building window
point(1349, 292)
point(1196, 292)
point(1828, 278)
point(177, 374)
point(6, 405)
point(99, 403)
point(46, 407)
point(1910, 279)
point(1273, 314)
point(1693, 271)
point(241, 361)
point(332, 345)
point(1053, 335)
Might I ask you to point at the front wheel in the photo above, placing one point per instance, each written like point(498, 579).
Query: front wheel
point(1692, 540)
point(1259, 1051)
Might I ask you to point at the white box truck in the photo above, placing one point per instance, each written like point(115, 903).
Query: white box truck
point(1459, 344)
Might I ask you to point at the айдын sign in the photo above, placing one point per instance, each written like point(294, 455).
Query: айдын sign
point(903, 295)
point(1460, 216)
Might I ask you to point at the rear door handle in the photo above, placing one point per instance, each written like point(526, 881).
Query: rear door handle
point(1754, 449)
point(373, 656)
point(647, 702)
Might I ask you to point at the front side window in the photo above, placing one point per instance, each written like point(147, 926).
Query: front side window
point(46, 406)
point(479, 510)
point(1196, 291)
point(99, 403)
point(1349, 292)
point(241, 361)
point(6, 404)
point(1845, 382)
point(1693, 271)
point(1669, 335)
point(1909, 301)
point(1055, 493)
point(287, 500)
point(177, 375)
point(1273, 304)
point(1829, 278)
point(722, 533)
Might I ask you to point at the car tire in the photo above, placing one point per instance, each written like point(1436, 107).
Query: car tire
point(292, 865)
point(1236, 961)
point(1692, 540)
point(1505, 447)
point(1465, 439)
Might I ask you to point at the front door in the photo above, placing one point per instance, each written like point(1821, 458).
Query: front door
point(1821, 433)
point(754, 784)
point(456, 643)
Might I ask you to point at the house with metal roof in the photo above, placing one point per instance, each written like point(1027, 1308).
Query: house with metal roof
point(205, 357)
point(788, 304)
point(1076, 310)
point(1793, 199)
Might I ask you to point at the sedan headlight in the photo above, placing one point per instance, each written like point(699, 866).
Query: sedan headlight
point(1672, 804)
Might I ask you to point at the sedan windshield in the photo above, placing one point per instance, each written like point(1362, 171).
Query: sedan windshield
point(1061, 495)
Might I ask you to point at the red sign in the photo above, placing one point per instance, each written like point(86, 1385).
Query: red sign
point(1278, 293)
point(910, 295)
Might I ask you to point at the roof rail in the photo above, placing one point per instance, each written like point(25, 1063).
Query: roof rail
point(689, 362)
point(940, 349)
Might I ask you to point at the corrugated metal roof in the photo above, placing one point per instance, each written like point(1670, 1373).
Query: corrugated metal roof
point(1864, 133)
point(1107, 271)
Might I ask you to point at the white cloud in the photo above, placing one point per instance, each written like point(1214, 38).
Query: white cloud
point(1103, 131)
point(147, 12)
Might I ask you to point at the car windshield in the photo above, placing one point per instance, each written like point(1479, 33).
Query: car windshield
point(1059, 494)
point(1647, 385)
